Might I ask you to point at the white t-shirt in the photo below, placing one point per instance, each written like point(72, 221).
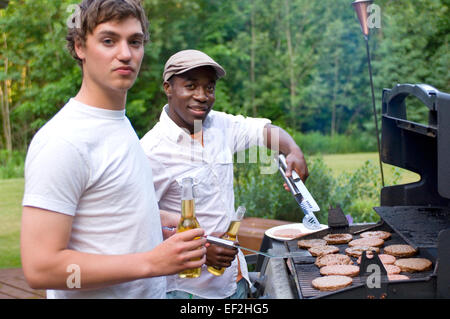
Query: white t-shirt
point(173, 154)
point(87, 162)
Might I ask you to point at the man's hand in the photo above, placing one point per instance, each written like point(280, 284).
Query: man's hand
point(219, 256)
point(185, 250)
point(296, 161)
point(279, 140)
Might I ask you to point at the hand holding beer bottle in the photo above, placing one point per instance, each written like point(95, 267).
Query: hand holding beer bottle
point(231, 234)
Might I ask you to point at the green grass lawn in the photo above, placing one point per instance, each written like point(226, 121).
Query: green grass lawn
point(340, 163)
point(11, 192)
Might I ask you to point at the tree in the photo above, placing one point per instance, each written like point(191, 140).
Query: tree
point(413, 48)
point(5, 89)
point(300, 63)
point(337, 94)
point(35, 55)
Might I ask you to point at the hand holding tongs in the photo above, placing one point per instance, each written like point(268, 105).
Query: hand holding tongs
point(301, 195)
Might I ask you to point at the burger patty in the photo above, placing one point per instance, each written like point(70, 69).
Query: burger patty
point(340, 270)
point(357, 250)
point(371, 241)
point(323, 250)
point(308, 243)
point(335, 239)
point(288, 233)
point(331, 283)
point(376, 234)
point(413, 264)
point(333, 259)
point(400, 250)
point(385, 258)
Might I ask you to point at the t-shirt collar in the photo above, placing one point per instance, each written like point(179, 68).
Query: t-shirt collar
point(98, 112)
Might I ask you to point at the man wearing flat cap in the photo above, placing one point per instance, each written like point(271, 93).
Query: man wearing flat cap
point(192, 140)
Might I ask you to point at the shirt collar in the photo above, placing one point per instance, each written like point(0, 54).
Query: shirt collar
point(173, 131)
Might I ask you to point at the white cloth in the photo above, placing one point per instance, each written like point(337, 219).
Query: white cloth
point(173, 154)
point(87, 162)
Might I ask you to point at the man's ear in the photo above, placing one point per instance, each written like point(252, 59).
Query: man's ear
point(167, 89)
point(80, 49)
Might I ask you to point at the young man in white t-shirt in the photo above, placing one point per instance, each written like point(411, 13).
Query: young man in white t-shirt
point(192, 140)
point(91, 227)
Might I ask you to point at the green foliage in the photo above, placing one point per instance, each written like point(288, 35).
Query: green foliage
point(300, 63)
point(11, 164)
point(414, 47)
point(356, 192)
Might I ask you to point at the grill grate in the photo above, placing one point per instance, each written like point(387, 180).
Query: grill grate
point(305, 271)
point(418, 226)
point(306, 274)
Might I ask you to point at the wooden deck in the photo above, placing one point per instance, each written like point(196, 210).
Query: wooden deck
point(14, 286)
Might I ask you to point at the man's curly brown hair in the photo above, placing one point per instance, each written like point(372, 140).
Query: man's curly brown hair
point(94, 12)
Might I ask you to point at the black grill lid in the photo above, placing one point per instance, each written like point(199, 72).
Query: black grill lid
point(417, 211)
point(423, 149)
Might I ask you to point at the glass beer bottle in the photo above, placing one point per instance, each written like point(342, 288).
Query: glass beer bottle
point(231, 234)
point(188, 221)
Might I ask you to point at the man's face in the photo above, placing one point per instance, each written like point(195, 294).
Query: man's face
point(191, 96)
point(112, 54)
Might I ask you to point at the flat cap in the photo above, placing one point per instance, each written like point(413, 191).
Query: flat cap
point(186, 60)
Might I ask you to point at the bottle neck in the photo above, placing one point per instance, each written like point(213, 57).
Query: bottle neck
point(187, 208)
point(187, 198)
point(187, 192)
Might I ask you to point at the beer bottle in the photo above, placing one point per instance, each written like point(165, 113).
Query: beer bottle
point(231, 234)
point(188, 220)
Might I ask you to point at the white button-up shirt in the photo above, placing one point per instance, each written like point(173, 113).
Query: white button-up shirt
point(173, 155)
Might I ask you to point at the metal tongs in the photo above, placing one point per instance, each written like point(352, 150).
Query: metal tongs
point(301, 195)
point(230, 244)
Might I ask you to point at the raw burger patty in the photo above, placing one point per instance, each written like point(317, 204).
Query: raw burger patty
point(323, 250)
point(385, 258)
point(413, 264)
point(377, 234)
point(335, 239)
point(333, 259)
point(287, 233)
point(340, 270)
point(330, 283)
point(397, 277)
point(400, 250)
point(357, 250)
point(392, 269)
point(308, 243)
point(372, 242)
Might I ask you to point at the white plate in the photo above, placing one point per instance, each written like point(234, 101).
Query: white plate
point(298, 226)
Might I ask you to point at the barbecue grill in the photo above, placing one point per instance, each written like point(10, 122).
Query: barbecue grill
point(417, 214)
